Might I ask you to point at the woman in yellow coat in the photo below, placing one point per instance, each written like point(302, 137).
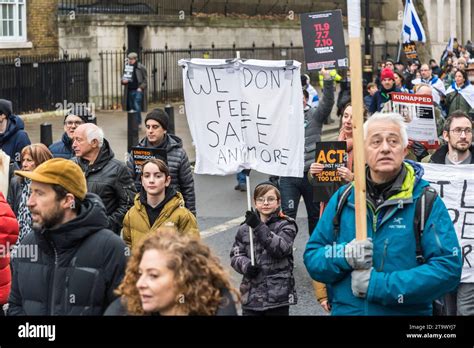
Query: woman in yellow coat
point(157, 205)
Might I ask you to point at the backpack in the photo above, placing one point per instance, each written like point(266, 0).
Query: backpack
point(422, 212)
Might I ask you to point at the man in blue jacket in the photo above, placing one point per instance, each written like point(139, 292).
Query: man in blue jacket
point(381, 275)
point(13, 137)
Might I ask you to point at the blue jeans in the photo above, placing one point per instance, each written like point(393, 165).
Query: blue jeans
point(134, 101)
point(291, 190)
point(241, 178)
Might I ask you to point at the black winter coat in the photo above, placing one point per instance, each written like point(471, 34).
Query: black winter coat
point(314, 119)
point(62, 148)
point(70, 270)
point(440, 155)
point(180, 169)
point(111, 181)
point(14, 194)
point(274, 285)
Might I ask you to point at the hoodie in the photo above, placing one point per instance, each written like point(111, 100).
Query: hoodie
point(14, 139)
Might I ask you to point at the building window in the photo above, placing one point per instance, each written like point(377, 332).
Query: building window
point(12, 20)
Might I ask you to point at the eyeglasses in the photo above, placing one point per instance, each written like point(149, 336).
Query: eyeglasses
point(71, 123)
point(269, 200)
point(458, 131)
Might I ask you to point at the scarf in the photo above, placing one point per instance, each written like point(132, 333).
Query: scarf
point(24, 215)
point(467, 92)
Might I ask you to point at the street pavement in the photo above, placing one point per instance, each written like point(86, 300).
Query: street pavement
point(220, 208)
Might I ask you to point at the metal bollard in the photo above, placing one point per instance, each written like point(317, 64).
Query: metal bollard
point(46, 134)
point(170, 111)
point(132, 130)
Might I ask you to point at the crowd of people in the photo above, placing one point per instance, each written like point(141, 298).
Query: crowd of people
point(91, 235)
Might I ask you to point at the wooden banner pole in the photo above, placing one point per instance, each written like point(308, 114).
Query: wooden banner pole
point(353, 10)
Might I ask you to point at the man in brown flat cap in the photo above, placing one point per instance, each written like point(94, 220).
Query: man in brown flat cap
point(71, 263)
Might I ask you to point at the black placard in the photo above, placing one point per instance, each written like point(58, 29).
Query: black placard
point(323, 40)
point(333, 154)
point(142, 154)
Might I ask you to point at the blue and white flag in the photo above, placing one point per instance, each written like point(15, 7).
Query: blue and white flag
point(449, 48)
point(412, 29)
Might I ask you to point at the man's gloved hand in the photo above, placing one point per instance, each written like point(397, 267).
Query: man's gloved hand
point(360, 282)
point(359, 253)
point(252, 219)
point(419, 150)
point(246, 172)
point(252, 271)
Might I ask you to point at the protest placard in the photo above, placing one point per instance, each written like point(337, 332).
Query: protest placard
point(418, 112)
point(141, 154)
point(127, 73)
point(245, 115)
point(333, 154)
point(323, 40)
point(409, 48)
point(457, 192)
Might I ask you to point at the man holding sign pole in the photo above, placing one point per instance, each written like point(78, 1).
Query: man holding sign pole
point(382, 275)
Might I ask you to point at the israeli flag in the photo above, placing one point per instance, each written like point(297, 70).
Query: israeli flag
point(449, 48)
point(412, 28)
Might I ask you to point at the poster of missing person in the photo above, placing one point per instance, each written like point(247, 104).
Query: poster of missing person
point(333, 154)
point(418, 112)
point(323, 40)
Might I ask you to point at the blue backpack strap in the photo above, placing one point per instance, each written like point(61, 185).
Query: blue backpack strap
point(340, 204)
point(424, 204)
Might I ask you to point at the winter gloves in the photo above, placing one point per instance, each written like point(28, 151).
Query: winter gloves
point(252, 219)
point(252, 271)
point(419, 150)
point(359, 253)
point(360, 282)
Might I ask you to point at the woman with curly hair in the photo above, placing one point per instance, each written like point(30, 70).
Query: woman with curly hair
point(172, 274)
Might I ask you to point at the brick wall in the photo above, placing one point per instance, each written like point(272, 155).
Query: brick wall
point(42, 29)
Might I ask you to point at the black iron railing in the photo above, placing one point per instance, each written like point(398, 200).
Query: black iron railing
point(44, 83)
point(165, 76)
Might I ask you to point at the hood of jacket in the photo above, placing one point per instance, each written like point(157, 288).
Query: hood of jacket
point(173, 200)
point(15, 124)
point(169, 193)
point(6, 107)
point(91, 219)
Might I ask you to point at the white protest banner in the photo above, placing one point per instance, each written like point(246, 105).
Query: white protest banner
point(455, 185)
point(245, 115)
point(418, 112)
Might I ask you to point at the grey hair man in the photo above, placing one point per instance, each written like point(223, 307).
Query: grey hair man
point(382, 275)
point(106, 176)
